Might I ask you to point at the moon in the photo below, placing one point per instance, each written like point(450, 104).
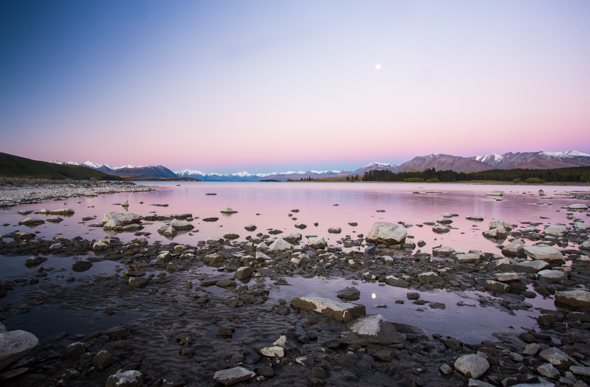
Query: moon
point(378, 67)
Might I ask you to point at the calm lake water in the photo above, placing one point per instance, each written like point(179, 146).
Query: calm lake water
point(268, 205)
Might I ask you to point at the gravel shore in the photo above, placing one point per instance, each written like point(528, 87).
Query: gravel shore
point(207, 314)
point(14, 191)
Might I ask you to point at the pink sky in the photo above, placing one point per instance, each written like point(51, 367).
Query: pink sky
point(267, 87)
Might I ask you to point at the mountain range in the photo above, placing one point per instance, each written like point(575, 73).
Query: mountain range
point(510, 160)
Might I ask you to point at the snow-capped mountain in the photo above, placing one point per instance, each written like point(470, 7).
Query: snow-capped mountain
point(535, 160)
point(375, 166)
point(246, 176)
point(442, 163)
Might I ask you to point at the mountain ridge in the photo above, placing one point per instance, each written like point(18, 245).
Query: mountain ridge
point(509, 160)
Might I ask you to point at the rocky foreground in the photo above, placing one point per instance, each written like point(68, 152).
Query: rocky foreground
point(188, 327)
point(14, 190)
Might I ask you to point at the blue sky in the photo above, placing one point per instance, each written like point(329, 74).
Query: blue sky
point(262, 86)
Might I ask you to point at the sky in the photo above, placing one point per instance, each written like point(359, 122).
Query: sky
point(263, 86)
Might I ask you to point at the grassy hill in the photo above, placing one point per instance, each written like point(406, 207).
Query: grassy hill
point(14, 166)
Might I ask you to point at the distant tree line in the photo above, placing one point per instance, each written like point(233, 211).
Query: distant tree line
point(576, 174)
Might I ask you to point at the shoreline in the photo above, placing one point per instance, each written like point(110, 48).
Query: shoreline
point(192, 310)
point(16, 190)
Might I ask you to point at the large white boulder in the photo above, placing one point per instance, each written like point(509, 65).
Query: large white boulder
point(15, 344)
point(342, 311)
point(387, 233)
point(472, 365)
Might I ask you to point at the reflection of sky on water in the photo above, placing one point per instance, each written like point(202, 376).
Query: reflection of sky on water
point(274, 201)
point(471, 323)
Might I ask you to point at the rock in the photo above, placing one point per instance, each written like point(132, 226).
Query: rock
point(440, 229)
point(211, 219)
point(181, 225)
point(15, 344)
point(467, 258)
point(531, 349)
point(430, 277)
point(581, 226)
point(250, 227)
point(558, 358)
point(228, 210)
point(318, 242)
point(376, 329)
point(31, 222)
point(387, 233)
point(274, 351)
point(395, 281)
point(580, 370)
point(530, 266)
point(300, 226)
point(293, 238)
point(547, 370)
point(514, 249)
point(577, 298)
point(340, 311)
point(138, 282)
point(507, 277)
point(479, 383)
point(121, 217)
point(347, 293)
point(74, 350)
point(475, 218)
point(557, 230)
point(577, 207)
point(230, 236)
point(495, 193)
point(496, 286)
point(544, 253)
point(125, 379)
point(499, 223)
point(496, 233)
point(34, 261)
point(472, 365)
point(443, 251)
point(167, 231)
point(81, 265)
point(280, 245)
point(103, 360)
point(334, 230)
point(62, 211)
point(243, 273)
point(233, 375)
point(100, 246)
point(552, 275)
point(214, 240)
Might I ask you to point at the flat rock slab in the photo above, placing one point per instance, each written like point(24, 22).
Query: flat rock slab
point(530, 266)
point(14, 344)
point(544, 253)
point(233, 375)
point(577, 298)
point(341, 311)
point(376, 329)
